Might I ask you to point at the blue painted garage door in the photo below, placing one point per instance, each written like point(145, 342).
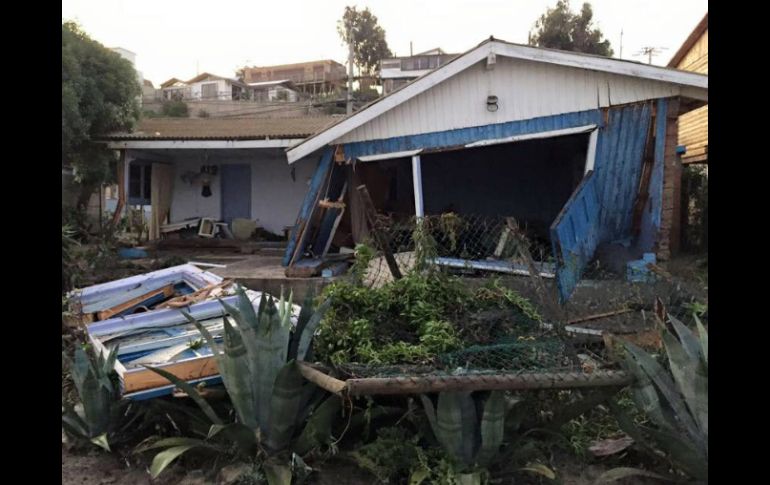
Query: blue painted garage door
point(575, 235)
point(236, 192)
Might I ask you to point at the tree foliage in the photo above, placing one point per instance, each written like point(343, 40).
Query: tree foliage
point(99, 95)
point(560, 28)
point(362, 30)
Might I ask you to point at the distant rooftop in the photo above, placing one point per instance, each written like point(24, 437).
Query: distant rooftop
point(224, 128)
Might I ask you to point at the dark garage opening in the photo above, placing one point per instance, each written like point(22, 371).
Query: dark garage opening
point(528, 180)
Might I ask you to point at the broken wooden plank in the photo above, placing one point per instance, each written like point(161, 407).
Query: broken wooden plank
point(207, 265)
point(159, 318)
point(379, 236)
point(187, 370)
point(504, 235)
point(598, 316)
point(164, 292)
point(330, 204)
point(305, 268)
point(497, 266)
point(196, 296)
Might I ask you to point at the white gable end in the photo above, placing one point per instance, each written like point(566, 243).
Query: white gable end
point(525, 89)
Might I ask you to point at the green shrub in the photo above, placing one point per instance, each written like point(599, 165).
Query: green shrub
point(175, 109)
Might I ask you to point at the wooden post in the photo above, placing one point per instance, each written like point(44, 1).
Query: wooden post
point(122, 187)
point(419, 210)
point(379, 236)
point(326, 382)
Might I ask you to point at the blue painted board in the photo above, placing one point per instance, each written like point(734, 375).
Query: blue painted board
point(575, 235)
point(308, 205)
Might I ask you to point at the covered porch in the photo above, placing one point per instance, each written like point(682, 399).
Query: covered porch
point(191, 172)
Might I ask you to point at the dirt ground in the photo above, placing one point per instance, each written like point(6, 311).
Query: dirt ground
point(104, 469)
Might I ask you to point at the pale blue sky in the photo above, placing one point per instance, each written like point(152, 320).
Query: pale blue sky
point(174, 38)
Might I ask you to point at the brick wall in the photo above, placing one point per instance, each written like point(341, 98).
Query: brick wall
point(670, 226)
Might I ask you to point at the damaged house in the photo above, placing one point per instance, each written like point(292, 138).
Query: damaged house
point(580, 148)
point(214, 168)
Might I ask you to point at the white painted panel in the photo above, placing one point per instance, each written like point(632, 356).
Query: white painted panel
point(525, 89)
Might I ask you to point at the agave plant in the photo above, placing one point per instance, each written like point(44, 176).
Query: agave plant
point(674, 399)
point(93, 418)
point(270, 397)
point(471, 441)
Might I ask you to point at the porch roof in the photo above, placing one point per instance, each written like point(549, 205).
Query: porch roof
point(224, 128)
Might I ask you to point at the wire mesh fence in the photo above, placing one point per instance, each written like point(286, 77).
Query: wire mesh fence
point(498, 334)
point(472, 244)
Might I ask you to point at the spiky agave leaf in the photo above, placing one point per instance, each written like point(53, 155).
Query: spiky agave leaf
point(245, 306)
point(285, 403)
point(305, 313)
point(685, 454)
point(455, 425)
point(277, 473)
point(308, 330)
point(647, 398)
point(73, 423)
point(252, 335)
point(665, 385)
point(318, 429)
point(97, 402)
point(492, 427)
point(704, 339)
point(690, 379)
point(687, 339)
point(245, 438)
point(272, 346)
point(236, 374)
point(190, 391)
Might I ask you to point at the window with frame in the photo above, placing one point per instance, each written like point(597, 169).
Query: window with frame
point(139, 183)
point(209, 90)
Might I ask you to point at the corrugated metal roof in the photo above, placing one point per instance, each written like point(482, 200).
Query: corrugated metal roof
point(224, 128)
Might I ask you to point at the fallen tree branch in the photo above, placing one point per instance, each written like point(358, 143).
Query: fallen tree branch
point(598, 316)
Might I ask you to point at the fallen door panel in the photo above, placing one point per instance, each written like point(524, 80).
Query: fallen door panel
point(575, 234)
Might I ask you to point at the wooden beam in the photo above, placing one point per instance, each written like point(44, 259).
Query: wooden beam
point(643, 192)
point(122, 196)
point(484, 382)
point(379, 236)
point(138, 380)
point(166, 292)
point(326, 382)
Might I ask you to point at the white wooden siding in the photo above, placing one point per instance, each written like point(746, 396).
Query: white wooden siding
point(525, 89)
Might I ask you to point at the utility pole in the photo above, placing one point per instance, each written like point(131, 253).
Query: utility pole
point(621, 43)
point(350, 72)
point(410, 49)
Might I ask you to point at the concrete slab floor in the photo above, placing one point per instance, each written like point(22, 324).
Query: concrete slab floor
point(260, 271)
